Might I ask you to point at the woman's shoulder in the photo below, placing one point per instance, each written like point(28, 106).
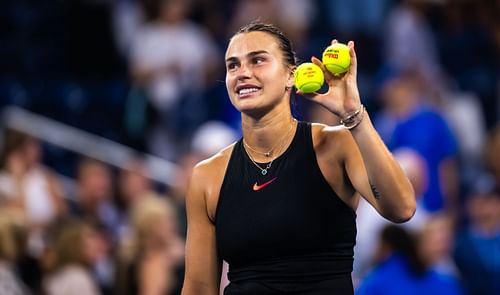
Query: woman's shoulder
point(211, 170)
point(207, 177)
point(215, 162)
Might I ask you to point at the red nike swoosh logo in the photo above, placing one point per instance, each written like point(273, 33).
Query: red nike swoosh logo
point(257, 187)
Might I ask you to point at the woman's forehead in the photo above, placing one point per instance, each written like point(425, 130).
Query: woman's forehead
point(244, 43)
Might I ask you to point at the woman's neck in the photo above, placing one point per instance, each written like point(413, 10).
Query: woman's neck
point(266, 137)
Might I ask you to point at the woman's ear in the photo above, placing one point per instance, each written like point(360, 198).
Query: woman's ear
point(291, 81)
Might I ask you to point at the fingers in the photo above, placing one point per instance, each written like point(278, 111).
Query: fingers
point(313, 96)
point(326, 73)
point(310, 96)
point(353, 68)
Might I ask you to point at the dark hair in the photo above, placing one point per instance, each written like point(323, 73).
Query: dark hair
point(284, 43)
point(404, 243)
point(13, 140)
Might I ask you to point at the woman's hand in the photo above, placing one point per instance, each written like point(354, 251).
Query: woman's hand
point(342, 96)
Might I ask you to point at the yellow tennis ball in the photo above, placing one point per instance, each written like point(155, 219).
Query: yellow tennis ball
point(308, 77)
point(337, 59)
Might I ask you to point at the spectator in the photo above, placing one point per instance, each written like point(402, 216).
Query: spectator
point(133, 185)
point(492, 156)
point(409, 40)
point(152, 258)
point(407, 121)
point(76, 248)
point(171, 59)
point(294, 16)
point(93, 203)
point(435, 245)
point(477, 250)
point(369, 224)
point(12, 232)
point(401, 270)
point(26, 184)
point(93, 199)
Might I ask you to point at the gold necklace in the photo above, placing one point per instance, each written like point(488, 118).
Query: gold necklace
point(269, 154)
point(264, 170)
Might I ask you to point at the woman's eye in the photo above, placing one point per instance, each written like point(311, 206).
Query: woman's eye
point(231, 66)
point(258, 60)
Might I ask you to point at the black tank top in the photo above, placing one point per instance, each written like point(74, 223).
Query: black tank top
point(286, 232)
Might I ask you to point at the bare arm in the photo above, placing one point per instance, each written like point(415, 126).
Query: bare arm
point(379, 177)
point(203, 267)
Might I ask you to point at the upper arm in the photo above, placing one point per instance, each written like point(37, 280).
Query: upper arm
point(356, 170)
point(367, 168)
point(342, 165)
point(203, 266)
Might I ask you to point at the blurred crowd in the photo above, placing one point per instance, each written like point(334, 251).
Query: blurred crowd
point(150, 74)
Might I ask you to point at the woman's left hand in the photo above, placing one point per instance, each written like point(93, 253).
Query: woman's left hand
point(342, 96)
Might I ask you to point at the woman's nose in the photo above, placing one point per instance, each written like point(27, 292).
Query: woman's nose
point(244, 72)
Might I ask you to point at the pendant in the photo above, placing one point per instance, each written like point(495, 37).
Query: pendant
point(268, 154)
point(264, 171)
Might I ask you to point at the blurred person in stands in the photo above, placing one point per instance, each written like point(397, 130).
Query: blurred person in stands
point(477, 245)
point(369, 223)
point(171, 59)
point(349, 18)
point(93, 203)
point(294, 16)
point(133, 185)
point(471, 29)
point(491, 157)
point(409, 41)
point(436, 242)
point(401, 269)
point(12, 243)
point(279, 204)
point(75, 248)
point(93, 196)
point(26, 184)
point(151, 259)
point(408, 121)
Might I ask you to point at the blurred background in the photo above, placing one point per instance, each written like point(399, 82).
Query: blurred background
point(105, 106)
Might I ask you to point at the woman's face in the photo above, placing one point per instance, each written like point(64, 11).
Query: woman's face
point(32, 151)
point(256, 76)
point(94, 246)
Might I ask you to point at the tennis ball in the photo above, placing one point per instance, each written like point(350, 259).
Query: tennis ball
point(308, 77)
point(336, 58)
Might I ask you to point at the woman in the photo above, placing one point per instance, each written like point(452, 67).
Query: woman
point(152, 255)
point(401, 269)
point(75, 248)
point(279, 204)
point(26, 184)
point(12, 240)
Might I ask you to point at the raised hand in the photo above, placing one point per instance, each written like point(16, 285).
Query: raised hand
point(342, 97)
